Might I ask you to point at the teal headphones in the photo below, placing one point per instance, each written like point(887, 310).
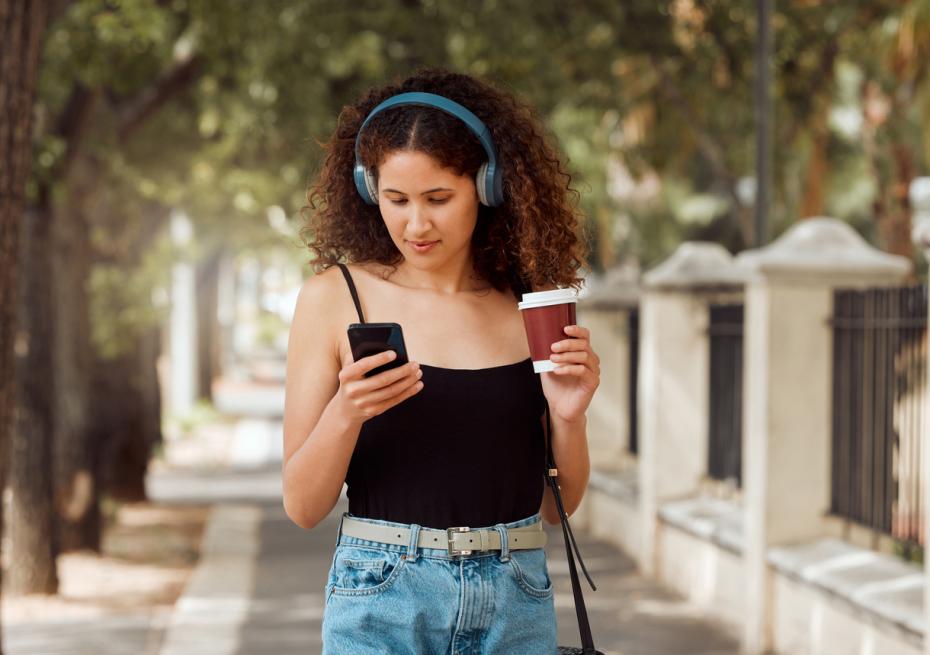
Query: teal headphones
point(488, 179)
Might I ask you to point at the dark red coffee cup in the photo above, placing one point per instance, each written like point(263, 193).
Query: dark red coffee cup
point(545, 316)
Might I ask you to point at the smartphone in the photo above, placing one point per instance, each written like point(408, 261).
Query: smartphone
point(368, 339)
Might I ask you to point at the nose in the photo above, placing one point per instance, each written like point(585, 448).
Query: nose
point(419, 220)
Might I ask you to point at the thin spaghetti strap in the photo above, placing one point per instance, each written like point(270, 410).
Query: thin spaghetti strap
point(348, 277)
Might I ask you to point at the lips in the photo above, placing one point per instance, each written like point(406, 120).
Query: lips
point(422, 247)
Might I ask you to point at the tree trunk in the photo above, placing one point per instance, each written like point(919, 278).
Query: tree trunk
point(21, 26)
point(125, 395)
point(812, 203)
point(127, 416)
point(32, 515)
point(77, 498)
point(889, 152)
point(208, 326)
point(894, 222)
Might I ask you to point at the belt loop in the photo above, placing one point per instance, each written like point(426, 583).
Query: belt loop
point(414, 538)
point(339, 528)
point(505, 547)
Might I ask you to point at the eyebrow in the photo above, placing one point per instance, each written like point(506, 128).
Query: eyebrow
point(422, 194)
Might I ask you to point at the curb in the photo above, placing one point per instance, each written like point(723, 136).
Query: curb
point(216, 601)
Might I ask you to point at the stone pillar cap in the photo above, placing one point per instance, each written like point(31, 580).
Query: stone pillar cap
point(696, 264)
point(619, 286)
point(823, 246)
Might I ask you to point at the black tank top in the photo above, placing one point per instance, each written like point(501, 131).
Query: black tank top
point(467, 449)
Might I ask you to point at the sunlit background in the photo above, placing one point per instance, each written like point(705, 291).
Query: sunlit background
point(756, 442)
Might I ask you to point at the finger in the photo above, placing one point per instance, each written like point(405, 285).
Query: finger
point(400, 395)
point(578, 371)
point(570, 344)
point(571, 369)
point(579, 356)
point(371, 362)
point(577, 331)
point(390, 376)
point(571, 357)
point(381, 394)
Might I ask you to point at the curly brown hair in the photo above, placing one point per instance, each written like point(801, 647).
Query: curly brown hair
point(529, 242)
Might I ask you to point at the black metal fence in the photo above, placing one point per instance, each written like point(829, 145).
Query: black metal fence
point(633, 393)
point(725, 450)
point(879, 389)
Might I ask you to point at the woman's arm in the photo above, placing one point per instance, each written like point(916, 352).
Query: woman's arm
point(319, 437)
point(327, 400)
point(570, 451)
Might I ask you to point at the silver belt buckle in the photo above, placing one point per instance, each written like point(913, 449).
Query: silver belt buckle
point(454, 551)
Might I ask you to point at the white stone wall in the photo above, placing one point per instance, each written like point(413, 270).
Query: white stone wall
point(608, 415)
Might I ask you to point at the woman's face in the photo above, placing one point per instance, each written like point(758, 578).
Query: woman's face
point(421, 201)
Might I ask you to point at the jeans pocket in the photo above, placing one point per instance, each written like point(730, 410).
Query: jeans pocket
point(531, 572)
point(360, 571)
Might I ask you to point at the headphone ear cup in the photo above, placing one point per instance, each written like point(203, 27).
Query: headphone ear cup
point(372, 186)
point(481, 183)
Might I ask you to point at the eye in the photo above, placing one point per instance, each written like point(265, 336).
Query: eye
point(435, 201)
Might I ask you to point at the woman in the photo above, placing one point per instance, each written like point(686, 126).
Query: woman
point(443, 460)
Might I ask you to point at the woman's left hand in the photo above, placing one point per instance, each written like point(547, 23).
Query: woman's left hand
point(570, 387)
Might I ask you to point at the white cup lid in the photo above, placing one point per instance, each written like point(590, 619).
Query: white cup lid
point(551, 297)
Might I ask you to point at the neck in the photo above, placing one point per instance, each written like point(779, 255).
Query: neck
point(451, 279)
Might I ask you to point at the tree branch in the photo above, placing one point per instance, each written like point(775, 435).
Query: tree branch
point(136, 110)
point(71, 125)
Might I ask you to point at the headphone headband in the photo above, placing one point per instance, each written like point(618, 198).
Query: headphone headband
point(488, 180)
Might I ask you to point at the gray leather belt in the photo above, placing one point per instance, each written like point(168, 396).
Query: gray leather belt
point(457, 541)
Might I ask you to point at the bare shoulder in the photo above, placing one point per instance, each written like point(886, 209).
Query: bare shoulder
point(318, 291)
point(318, 304)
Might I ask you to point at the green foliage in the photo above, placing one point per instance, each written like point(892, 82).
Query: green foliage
point(659, 91)
point(909, 552)
point(184, 425)
point(269, 328)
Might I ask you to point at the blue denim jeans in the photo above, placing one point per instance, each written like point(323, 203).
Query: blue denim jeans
point(388, 599)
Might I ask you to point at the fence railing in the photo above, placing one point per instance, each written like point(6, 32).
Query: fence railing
point(879, 394)
point(724, 451)
point(633, 372)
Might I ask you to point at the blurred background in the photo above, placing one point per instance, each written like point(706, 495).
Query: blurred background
point(754, 181)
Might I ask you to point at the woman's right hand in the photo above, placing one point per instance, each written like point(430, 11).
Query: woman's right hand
point(362, 398)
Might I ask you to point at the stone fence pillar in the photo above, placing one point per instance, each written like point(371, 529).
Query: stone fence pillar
point(605, 311)
point(674, 375)
point(920, 234)
point(183, 331)
point(788, 350)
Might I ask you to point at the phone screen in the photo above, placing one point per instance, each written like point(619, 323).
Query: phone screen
point(368, 339)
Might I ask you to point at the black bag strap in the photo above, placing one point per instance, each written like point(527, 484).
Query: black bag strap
point(551, 476)
point(551, 473)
